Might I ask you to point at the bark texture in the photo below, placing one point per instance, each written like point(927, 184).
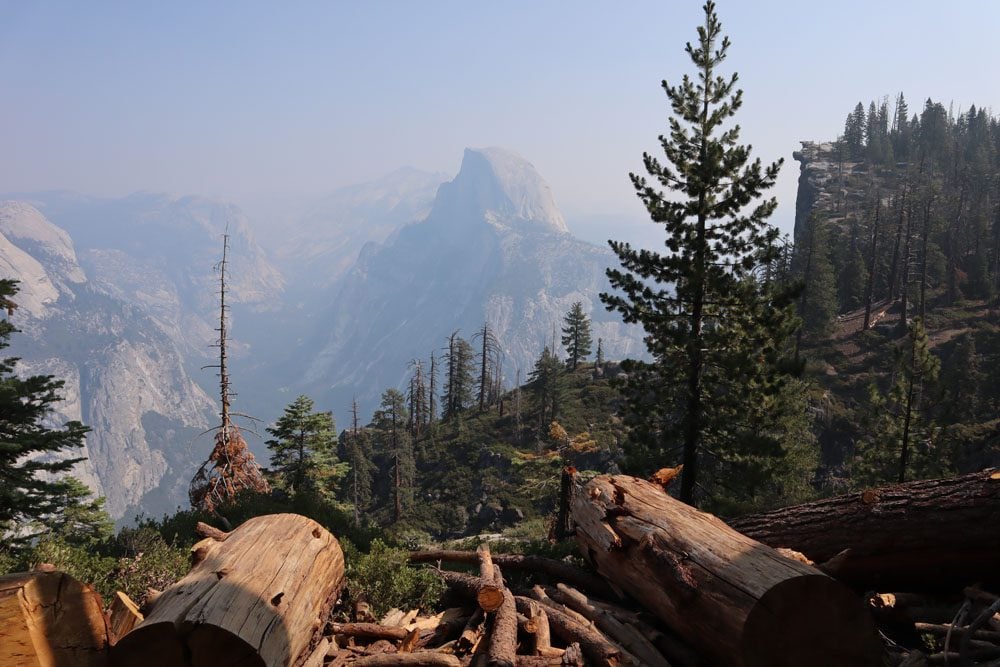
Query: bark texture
point(735, 599)
point(928, 532)
point(258, 597)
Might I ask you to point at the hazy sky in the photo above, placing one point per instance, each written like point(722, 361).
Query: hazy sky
point(241, 99)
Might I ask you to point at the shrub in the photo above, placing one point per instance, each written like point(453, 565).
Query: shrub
point(383, 578)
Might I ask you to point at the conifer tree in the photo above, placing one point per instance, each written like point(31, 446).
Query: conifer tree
point(576, 335)
point(33, 487)
point(303, 449)
point(899, 417)
point(396, 448)
point(458, 389)
point(359, 457)
point(818, 304)
point(715, 331)
point(546, 381)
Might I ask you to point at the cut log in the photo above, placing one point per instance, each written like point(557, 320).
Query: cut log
point(626, 634)
point(260, 597)
point(490, 595)
point(912, 535)
point(369, 631)
point(418, 659)
point(734, 599)
point(50, 619)
point(596, 648)
point(503, 638)
point(124, 615)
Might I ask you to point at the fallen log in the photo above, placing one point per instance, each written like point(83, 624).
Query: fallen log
point(50, 619)
point(503, 639)
point(490, 596)
point(259, 597)
point(734, 599)
point(918, 534)
point(416, 659)
point(369, 631)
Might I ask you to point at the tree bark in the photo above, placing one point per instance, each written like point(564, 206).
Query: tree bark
point(503, 640)
point(596, 648)
point(260, 597)
point(50, 619)
point(927, 533)
point(736, 600)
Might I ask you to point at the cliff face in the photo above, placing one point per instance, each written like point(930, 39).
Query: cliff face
point(494, 249)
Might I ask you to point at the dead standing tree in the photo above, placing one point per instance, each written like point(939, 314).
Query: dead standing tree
point(231, 466)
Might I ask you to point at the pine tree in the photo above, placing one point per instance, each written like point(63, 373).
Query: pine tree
point(818, 304)
point(359, 456)
point(303, 449)
point(708, 320)
point(33, 485)
point(395, 447)
point(458, 389)
point(901, 444)
point(576, 335)
point(546, 381)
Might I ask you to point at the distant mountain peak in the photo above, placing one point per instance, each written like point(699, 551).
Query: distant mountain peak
point(500, 186)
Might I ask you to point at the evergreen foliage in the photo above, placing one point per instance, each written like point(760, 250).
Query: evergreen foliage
point(546, 384)
point(303, 450)
point(35, 493)
point(903, 438)
point(459, 382)
point(716, 331)
point(393, 448)
point(576, 337)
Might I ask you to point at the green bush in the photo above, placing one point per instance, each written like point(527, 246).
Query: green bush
point(383, 578)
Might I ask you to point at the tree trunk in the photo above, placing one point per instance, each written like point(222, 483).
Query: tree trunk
point(124, 615)
point(921, 534)
point(49, 619)
point(260, 597)
point(736, 600)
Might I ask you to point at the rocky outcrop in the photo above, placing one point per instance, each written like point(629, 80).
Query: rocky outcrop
point(494, 249)
point(125, 374)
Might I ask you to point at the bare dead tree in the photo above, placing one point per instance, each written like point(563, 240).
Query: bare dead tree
point(231, 466)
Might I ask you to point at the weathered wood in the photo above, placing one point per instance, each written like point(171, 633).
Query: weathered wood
point(472, 633)
point(49, 619)
point(369, 630)
point(490, 595)
point(503, 639)
point(538, 627)
point(734, 599)
point(596, 648)
point(417, 659)
point(917, 534)
point(554, 569)
point(568, 487)
point(124, 615)
point(625, 634)
point(571, 657)
point(260, 597)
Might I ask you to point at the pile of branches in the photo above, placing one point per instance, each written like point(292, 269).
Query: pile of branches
point(578, 620)
point(960, 633)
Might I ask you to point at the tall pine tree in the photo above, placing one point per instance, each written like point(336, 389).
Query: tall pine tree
point(715, 331)
point(576, 336)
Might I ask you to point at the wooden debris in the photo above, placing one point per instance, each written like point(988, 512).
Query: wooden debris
point(259, 596)
point(686, 566)
point(503, 639)
point(123, 616)
point(50, 619)
point(897, 535)
point(595, 646)
point(558, 571)
point(369, 630)
point(490, 595)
